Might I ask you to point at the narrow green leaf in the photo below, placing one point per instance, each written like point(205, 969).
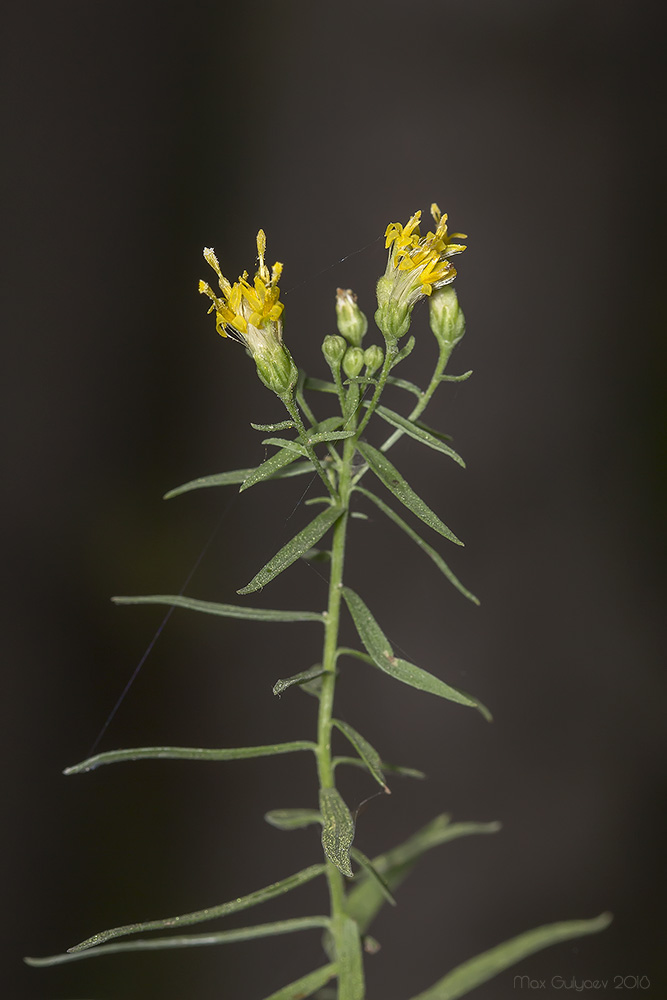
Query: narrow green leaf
point(418, 433)
point(350, 961)
point(396, 484)
point(337, 829)
point(283, 425)
point(404, 352)
point(402, 383)
point(224, 610)
point(433, 431)
point(359, 516)
point(306, 675)
point(288, 445)
point(424, 546)
point(368, 754)
point(371, 871)
point(292, 819)
point(242, 475)
point(210, 913)
point(295, 548)
point(490, 963)
point(187, 940)
point(219, 479)
point(307, 985)
point(456, 378)
point(317, 385)
point(402, 772)
point(383, 657)
point(187, 753)
point(312, 501)
point(328, 424)
point(322, 436)
point(365, 900)
point(271, 467)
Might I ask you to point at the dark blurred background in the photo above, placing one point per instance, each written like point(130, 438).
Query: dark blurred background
point(135, 135)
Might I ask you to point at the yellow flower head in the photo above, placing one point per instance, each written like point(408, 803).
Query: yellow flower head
point(243, 305)
point(417, 265)
point(251, 314)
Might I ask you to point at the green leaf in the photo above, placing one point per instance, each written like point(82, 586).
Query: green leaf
point(210, 913)
point(283, 425)
point(418, 433)
point(224, 610)
point(187, 753)
point(188, 940)
point(350, 961)
point(424, 546)
point(365, 900)
point(295, 548)
point(242, 475)
point(292, 819)
point(307, 985)
point(368, 754)
point(288, 445)
point(383, 657)
point(219, 479)
point(306, 675)
point(456, 378)
point(403, 772)
point(373, 873)
point(431, 430)
point(322, 436)
point(272, 466)
point(317, 385)
point(337, 829)
point(396, 484)
point(402, 383)
point(490, 963)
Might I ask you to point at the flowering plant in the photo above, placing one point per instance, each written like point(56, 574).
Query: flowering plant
point(336, 449)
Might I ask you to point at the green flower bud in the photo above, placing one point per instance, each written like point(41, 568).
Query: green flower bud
point(446, 317)
point(333, 349)
point(353, 362)
point(350, 320)
point(373, 358)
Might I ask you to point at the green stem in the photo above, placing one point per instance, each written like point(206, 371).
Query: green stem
point(422, 403)
point(293, 411)
point(389, 358)
point(325, 766)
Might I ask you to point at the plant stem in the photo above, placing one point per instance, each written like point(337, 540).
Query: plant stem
point(293, 411)
point(390, 355)
point(422, 403)
point(325, 767)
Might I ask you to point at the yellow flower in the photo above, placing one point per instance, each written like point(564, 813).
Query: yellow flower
point(417, 265)
point(251, 314)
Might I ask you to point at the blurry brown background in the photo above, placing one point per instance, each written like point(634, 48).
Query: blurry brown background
point(138, 133)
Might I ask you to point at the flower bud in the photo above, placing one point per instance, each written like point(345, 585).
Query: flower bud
point(446, 317)
point(350, 320)
point(333, 349)
point(353, 362)
point(373, 358)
